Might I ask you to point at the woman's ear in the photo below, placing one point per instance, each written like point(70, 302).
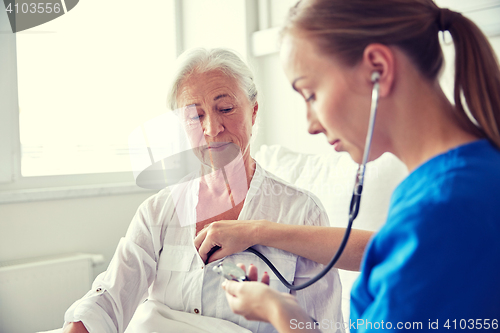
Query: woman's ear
point(254, 112)
point(380, 58)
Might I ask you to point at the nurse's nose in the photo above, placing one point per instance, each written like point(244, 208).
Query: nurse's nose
point(314, 126)
point(212, 125)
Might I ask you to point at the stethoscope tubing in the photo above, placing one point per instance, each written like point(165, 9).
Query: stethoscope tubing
point(355, 199)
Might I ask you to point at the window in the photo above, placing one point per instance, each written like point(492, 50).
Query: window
point(84, 81)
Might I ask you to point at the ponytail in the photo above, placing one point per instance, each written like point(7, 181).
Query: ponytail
point(477, 78)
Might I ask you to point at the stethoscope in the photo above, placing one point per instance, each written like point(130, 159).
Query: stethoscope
point(233, 272)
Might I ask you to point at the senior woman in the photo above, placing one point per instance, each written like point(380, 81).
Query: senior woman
point(215, 97)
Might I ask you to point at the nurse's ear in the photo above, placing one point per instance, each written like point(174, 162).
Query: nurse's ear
point(380, 58)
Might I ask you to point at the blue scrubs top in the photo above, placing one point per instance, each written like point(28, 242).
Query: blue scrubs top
point(436, 261)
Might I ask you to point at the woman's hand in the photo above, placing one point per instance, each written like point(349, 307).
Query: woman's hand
point(77, 327)
point(232, 237)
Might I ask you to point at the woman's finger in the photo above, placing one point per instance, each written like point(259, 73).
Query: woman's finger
point(265, 278)
point(242, 266)
point(253, 273)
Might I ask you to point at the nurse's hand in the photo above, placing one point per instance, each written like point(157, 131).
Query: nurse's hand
point(232, 237)
point(257, 301)
point(245, 298)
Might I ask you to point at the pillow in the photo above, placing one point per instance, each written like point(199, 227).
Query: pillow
point(331, 178)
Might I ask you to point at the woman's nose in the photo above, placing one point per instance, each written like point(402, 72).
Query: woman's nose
point(314, 126)
point(212, 125)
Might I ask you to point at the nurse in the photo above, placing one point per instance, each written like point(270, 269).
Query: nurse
point(435, 263)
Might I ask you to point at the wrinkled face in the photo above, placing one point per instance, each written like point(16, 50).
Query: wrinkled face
point(338, 102)
point(218, 116)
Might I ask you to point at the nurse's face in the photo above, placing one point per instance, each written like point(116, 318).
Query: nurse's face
point(337, 97)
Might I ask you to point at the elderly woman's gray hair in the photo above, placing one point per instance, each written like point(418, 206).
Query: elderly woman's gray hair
point(201, 60)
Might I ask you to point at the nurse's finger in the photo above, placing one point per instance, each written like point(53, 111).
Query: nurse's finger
point(233, 292)
point(233, 288)
point(208, 247)
point(219, 254)
point(198, 240)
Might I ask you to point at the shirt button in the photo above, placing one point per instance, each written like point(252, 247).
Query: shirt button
point(98, 289)
point(196, 311)
point(201, 267)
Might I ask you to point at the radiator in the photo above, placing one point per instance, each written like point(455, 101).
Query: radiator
point(34, 294)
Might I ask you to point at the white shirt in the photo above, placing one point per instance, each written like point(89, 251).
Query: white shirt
point(158, 253)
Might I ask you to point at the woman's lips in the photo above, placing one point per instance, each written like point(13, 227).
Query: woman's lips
point(217, 145)
point(336, 145)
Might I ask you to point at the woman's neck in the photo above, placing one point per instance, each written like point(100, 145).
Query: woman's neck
point(222, 192)
point(242, 167)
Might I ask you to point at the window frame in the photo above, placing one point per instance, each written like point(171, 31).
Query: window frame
point(16, 188)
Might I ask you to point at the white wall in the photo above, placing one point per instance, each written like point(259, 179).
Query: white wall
point(283, 111)
point(215, 23)
point(44, 228)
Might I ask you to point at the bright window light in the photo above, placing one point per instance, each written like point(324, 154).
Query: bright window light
point(87, 79)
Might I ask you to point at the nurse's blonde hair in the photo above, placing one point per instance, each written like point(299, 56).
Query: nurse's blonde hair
point(344, 28)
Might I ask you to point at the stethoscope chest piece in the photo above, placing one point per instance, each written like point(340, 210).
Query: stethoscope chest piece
point(230, 271)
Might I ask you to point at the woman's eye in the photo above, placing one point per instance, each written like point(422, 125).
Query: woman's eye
point(311, 98)
point(226, 110)
point(194, 118)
